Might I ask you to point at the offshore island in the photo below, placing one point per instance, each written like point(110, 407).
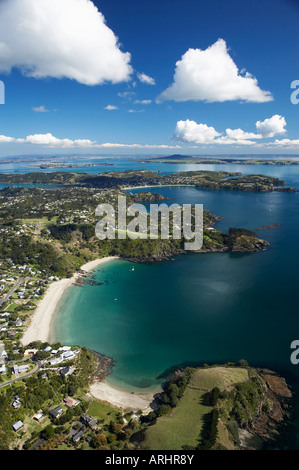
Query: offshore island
point(47, 244)
point(185, 159)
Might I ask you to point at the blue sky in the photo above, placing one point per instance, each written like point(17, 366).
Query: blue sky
point(158, 77)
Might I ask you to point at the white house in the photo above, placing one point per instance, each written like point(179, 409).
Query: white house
point(17, 426)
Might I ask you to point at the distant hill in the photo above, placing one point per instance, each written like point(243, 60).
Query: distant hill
point(177, 157)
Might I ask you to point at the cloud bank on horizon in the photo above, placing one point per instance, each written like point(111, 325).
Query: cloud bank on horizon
point(186, 132)
point(49, 140)
point(192, 133)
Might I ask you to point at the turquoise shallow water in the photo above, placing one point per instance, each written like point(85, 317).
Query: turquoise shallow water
point(201, 307)
point(212, 307)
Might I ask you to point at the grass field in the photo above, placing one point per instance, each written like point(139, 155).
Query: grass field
point(221, 377)
point(183, 425)
point(102, 412)
point(43, 222)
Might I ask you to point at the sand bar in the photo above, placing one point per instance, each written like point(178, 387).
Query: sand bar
point(39, 328)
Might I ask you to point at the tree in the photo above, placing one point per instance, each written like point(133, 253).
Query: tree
point(99, 440)
point(47, 433)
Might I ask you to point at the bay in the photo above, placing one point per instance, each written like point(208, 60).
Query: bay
point(198, 308)
point(213, 307)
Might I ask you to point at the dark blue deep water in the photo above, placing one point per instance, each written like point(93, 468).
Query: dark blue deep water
point(213, 307)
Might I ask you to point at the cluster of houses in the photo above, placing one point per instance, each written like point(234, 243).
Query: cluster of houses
point(10, 270)
point(76, 434)
point(19, 294)
point(64, 353)
point(3, 357)
point(5, 324)
point(54, 413)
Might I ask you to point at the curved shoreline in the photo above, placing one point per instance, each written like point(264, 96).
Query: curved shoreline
point(122, 398)
point(39, 328)
point(156, 186)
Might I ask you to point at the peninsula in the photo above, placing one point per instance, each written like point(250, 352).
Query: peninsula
point(208, 160)
point(214, 180)
point(48, 243)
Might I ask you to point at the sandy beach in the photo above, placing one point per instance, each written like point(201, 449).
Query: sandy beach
point(39, 328)
point(123, 399)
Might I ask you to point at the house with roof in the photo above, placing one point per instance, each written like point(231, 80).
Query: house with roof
point(16, 404)
point(71, 402)
point(67, 355)
point(55, 360)
point(38, 416)
point(20, 369)
point(12, 334)
point(3, 353)
point(56, 412)
point(78, 436)
point(17, 426)
point(5, 314)
point(90, 422)
point(67, 371)
point(30, 352)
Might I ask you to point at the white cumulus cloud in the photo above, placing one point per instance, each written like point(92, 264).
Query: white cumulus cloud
point(52, 141)
point(146, 79)
point(284, 143)
point(110, 107)
point(60, 39)
point(239, 134)
point(142, 101)
point(211, 75)
point(191, 132)
point(40, 109)
point(272, 126)
point(49, 140)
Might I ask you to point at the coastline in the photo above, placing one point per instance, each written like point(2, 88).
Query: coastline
point(40, 325)
point(40, 329)
point(124, 399)
point(156, 186)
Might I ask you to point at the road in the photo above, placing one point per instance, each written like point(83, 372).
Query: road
point(15, 287)
point(4, 384)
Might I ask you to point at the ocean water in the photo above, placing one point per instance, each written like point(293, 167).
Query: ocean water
point(197, 308)
point(122, 164)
